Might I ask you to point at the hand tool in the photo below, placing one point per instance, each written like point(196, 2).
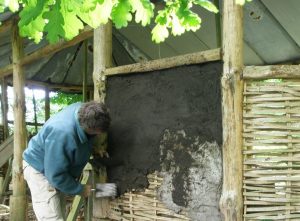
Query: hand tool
point(105, 190)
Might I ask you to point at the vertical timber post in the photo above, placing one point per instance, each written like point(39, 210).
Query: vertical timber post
point(18, 198)
point(84, 71)
point(47, 104)
point(4, 102)
point(231, 202)
point(102, 60)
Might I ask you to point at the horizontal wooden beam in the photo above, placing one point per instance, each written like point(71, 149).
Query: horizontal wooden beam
point(54, 87)
point(51, 86)
point(87, 32)
point(272, 71)
point(193, 58)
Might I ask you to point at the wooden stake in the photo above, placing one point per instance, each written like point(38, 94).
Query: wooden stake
point(4, 106)
point(18, 199)
point(34, 110)
point(84, 71)
point(102, 60)
point(47, 104)
point(231, 202)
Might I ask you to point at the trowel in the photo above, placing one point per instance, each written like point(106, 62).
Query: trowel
point(105, 190)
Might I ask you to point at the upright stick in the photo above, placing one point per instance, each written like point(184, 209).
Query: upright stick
point(231, 202)
point(18, 199)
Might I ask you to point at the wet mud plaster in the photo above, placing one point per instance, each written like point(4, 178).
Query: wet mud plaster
point(148, 111)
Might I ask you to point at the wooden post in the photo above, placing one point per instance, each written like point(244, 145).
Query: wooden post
point(231, 203)
point(218, 25)
point(47, 104)
point(102, 60)
point(4, 106)
point(18, 199)
point(84, 71)
point(34, 110)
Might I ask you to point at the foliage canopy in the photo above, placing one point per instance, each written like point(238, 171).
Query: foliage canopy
point(65, 18)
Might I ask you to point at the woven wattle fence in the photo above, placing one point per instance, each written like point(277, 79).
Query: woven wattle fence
point(143, 205)
point(271, 150)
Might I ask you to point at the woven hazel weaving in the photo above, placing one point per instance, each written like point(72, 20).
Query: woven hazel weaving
point(271, 119)
point(143, 205)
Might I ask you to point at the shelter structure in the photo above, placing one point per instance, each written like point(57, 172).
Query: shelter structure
point(259, 117)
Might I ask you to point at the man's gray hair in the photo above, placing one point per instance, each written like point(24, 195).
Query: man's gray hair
point(94, 115)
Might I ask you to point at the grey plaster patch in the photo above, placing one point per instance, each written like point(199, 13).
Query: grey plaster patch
point(192, 172)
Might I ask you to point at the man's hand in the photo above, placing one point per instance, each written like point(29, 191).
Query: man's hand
point(86, 192)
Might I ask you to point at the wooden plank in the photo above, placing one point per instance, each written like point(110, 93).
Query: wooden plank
point(6, 179)
point(193, 58)
point(47, 104)
point(231, 202)
point(87, 32)
point(271, 72)
point(6, 150)
point(4, 106)
point(18, 199)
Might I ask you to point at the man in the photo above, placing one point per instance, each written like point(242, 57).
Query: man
point(56, 156)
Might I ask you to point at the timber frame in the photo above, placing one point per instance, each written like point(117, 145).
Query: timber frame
point(234, 75)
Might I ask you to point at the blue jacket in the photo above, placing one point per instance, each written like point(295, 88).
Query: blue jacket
point(60, 150)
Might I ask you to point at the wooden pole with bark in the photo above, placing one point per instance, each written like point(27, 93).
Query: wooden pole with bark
point(102, 61)
point(4, 106)
point(47, 104)
point(231, 203)
point(84, 71)
point(18, 198)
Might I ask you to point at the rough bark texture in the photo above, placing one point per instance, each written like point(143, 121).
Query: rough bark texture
point(18, 199)
point(102, 60)
point(160, 64)
point(272, 71)
point(231, 202)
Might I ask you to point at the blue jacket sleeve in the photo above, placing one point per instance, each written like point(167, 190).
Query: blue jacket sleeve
point(59, 148)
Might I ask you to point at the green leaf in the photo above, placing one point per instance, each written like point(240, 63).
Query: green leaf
point(188, 19)
point(62, 22)
point(54, 27)
point(121, 13)
point(159, 33)
point(162, 18)
point(2, 6)
point(208, 5)
point(143, 11)
point(13, 5)
point(31, 21)
point(88, 5)
point(99, 15)
point(177, 27)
